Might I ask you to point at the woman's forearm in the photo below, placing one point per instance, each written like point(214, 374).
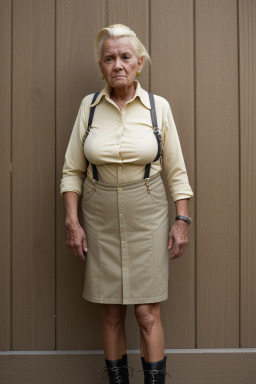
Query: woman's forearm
point(179, 236)
point(76, 239)
point(71, 206)
point(182, 207)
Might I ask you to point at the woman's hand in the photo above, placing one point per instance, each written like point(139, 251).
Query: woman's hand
point(178, 238)
point(76, 239)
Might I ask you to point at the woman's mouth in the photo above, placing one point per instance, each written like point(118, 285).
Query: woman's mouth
point(118, 76)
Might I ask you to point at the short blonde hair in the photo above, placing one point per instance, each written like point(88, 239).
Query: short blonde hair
point(115, 31)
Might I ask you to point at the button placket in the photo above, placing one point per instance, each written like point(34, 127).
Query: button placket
point(123, 245)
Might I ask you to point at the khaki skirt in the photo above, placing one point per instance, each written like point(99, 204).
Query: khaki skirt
point(127, 235)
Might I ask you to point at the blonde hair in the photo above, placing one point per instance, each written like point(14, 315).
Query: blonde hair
point(115, 31)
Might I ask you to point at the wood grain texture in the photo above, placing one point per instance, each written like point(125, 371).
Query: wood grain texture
point(172, 76)
point(134, 14)
point(78, 22)
point(184, 368)
point(217, 143)
point(33, 216)
point(247, 60)
point(5, 185)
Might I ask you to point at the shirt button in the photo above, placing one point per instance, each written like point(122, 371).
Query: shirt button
point(123, 242)
point(124, 267)
point(121, 214)
point(120, 190)
point(120, 168)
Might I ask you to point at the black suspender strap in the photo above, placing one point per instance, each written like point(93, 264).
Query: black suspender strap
point(95, 172)
point(155, 126)
point(157, 133)
point(92, 110)
point(153, 109)
point(147, 171)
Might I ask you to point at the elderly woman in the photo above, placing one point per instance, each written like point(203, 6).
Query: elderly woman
point(122, 138)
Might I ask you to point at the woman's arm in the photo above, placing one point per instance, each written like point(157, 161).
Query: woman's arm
point(179, 236)
point(76, 239)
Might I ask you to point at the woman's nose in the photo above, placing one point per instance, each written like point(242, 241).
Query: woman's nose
point(118, 65)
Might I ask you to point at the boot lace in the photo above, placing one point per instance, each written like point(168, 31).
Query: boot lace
point(153, 375)
point(118, 373)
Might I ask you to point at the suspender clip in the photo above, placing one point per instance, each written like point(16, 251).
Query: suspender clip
point(157, 133)
point(147, 184)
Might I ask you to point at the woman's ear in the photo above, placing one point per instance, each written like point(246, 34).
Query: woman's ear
point(140, 63)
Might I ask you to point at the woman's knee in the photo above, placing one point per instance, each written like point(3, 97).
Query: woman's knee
point(113, 315)
point(147, 315)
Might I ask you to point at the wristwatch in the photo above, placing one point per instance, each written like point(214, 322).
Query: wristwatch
point(184, 218)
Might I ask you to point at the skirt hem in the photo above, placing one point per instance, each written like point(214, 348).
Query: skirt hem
point(126, 301)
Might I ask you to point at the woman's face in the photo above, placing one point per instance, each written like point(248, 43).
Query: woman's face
point(119, 63)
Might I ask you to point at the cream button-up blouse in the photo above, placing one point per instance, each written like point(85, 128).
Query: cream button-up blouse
point(121, 143)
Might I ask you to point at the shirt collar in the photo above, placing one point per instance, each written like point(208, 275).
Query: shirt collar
point(139, 92)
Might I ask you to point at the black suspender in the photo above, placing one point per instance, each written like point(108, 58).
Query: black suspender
point(92, 110)
point(156, 131)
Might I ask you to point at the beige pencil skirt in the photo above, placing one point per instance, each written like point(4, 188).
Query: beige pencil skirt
point(127, 235)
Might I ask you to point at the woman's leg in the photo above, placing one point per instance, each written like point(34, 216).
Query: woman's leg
point(151, 331)
point(113, 330)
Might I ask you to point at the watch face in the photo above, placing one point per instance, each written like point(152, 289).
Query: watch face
point(189, 220)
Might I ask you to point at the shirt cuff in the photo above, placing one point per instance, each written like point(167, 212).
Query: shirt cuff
point(71, 184)
point(181, 191)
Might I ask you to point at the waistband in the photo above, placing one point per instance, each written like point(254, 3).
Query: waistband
point(152, 181)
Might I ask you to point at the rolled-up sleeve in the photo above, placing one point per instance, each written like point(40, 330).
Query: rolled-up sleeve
point(74, 169)
point(173, 161)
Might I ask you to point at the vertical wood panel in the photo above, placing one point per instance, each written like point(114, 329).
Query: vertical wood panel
point(33, 174)
point(247, 39)
point(217, 174)
point(5, 185)
point(78, 22)
point(173, 77)
point(134, 14)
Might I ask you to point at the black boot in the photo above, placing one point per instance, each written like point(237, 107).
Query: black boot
point(118, 371)
point(154, 373)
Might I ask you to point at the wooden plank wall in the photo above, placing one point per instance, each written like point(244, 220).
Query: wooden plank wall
point(5, 164)
point(217, 152)
point(203, 58)
point(247, 44)
point(33, 181)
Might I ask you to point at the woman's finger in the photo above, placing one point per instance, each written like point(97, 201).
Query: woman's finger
point(176, 250)
point(170, 243)
point(85, 249)
point(79, 252)
point(182, 249)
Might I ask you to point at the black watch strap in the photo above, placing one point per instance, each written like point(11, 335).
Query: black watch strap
point(184, 218)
